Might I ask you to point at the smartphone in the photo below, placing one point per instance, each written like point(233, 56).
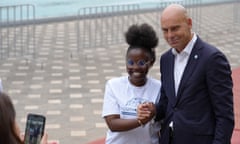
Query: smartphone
point(34, 128)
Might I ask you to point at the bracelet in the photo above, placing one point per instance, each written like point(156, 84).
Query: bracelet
point(141, 124)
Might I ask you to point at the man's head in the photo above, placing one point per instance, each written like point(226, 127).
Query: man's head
point(176, 26)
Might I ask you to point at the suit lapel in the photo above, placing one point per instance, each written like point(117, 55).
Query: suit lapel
point(190, 67)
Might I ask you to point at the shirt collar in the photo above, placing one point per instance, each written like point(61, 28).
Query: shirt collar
point(187, 50)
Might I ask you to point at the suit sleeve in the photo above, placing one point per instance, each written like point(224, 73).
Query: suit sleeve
point(161, 106)
point(220, 85)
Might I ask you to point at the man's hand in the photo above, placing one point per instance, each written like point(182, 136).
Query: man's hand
point(146, 112)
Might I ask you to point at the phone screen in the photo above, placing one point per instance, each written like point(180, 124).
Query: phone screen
point(34, 129)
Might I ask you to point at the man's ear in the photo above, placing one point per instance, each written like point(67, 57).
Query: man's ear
point(189, 20)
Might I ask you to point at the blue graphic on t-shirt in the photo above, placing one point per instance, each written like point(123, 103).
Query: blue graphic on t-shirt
point(131, 106)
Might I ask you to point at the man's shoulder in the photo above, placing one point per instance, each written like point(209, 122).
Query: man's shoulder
point(210, 48)
point(167, 53)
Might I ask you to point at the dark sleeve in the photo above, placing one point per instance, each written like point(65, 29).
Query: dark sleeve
point(161, 106)
point(220, 86)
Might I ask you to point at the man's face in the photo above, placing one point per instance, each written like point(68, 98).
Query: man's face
point(176, 30)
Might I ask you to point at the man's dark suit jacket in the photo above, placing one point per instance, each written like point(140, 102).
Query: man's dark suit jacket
point(202, 110)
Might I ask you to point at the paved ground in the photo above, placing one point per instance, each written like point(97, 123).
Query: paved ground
point(67, 85)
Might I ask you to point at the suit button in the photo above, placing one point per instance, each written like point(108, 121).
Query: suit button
point(175, 109)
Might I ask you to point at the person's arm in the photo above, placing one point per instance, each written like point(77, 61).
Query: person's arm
point(111, 113)
point(220, 90)
point(146, 112)
point(161, 106)
point(116, 124)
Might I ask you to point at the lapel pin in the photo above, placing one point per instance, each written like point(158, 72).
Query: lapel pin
point(196, 57)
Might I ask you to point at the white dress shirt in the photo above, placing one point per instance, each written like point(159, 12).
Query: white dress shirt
point(181, 60)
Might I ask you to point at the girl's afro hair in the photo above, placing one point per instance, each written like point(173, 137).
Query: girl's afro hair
point(142, 36)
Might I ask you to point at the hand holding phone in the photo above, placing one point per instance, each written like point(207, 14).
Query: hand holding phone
point(34, 128)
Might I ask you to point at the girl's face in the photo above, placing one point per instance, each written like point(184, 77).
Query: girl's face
point(138, 63)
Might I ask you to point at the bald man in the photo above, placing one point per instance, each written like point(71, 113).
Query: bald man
point(196, 103)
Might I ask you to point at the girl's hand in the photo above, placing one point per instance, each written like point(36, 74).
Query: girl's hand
point(44, 139)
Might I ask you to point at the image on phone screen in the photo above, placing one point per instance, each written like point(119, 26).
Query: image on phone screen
point(34, 129)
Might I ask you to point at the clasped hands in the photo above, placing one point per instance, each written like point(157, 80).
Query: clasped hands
point(145, 112)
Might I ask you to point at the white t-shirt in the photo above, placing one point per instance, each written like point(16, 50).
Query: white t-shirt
point(121, 97)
